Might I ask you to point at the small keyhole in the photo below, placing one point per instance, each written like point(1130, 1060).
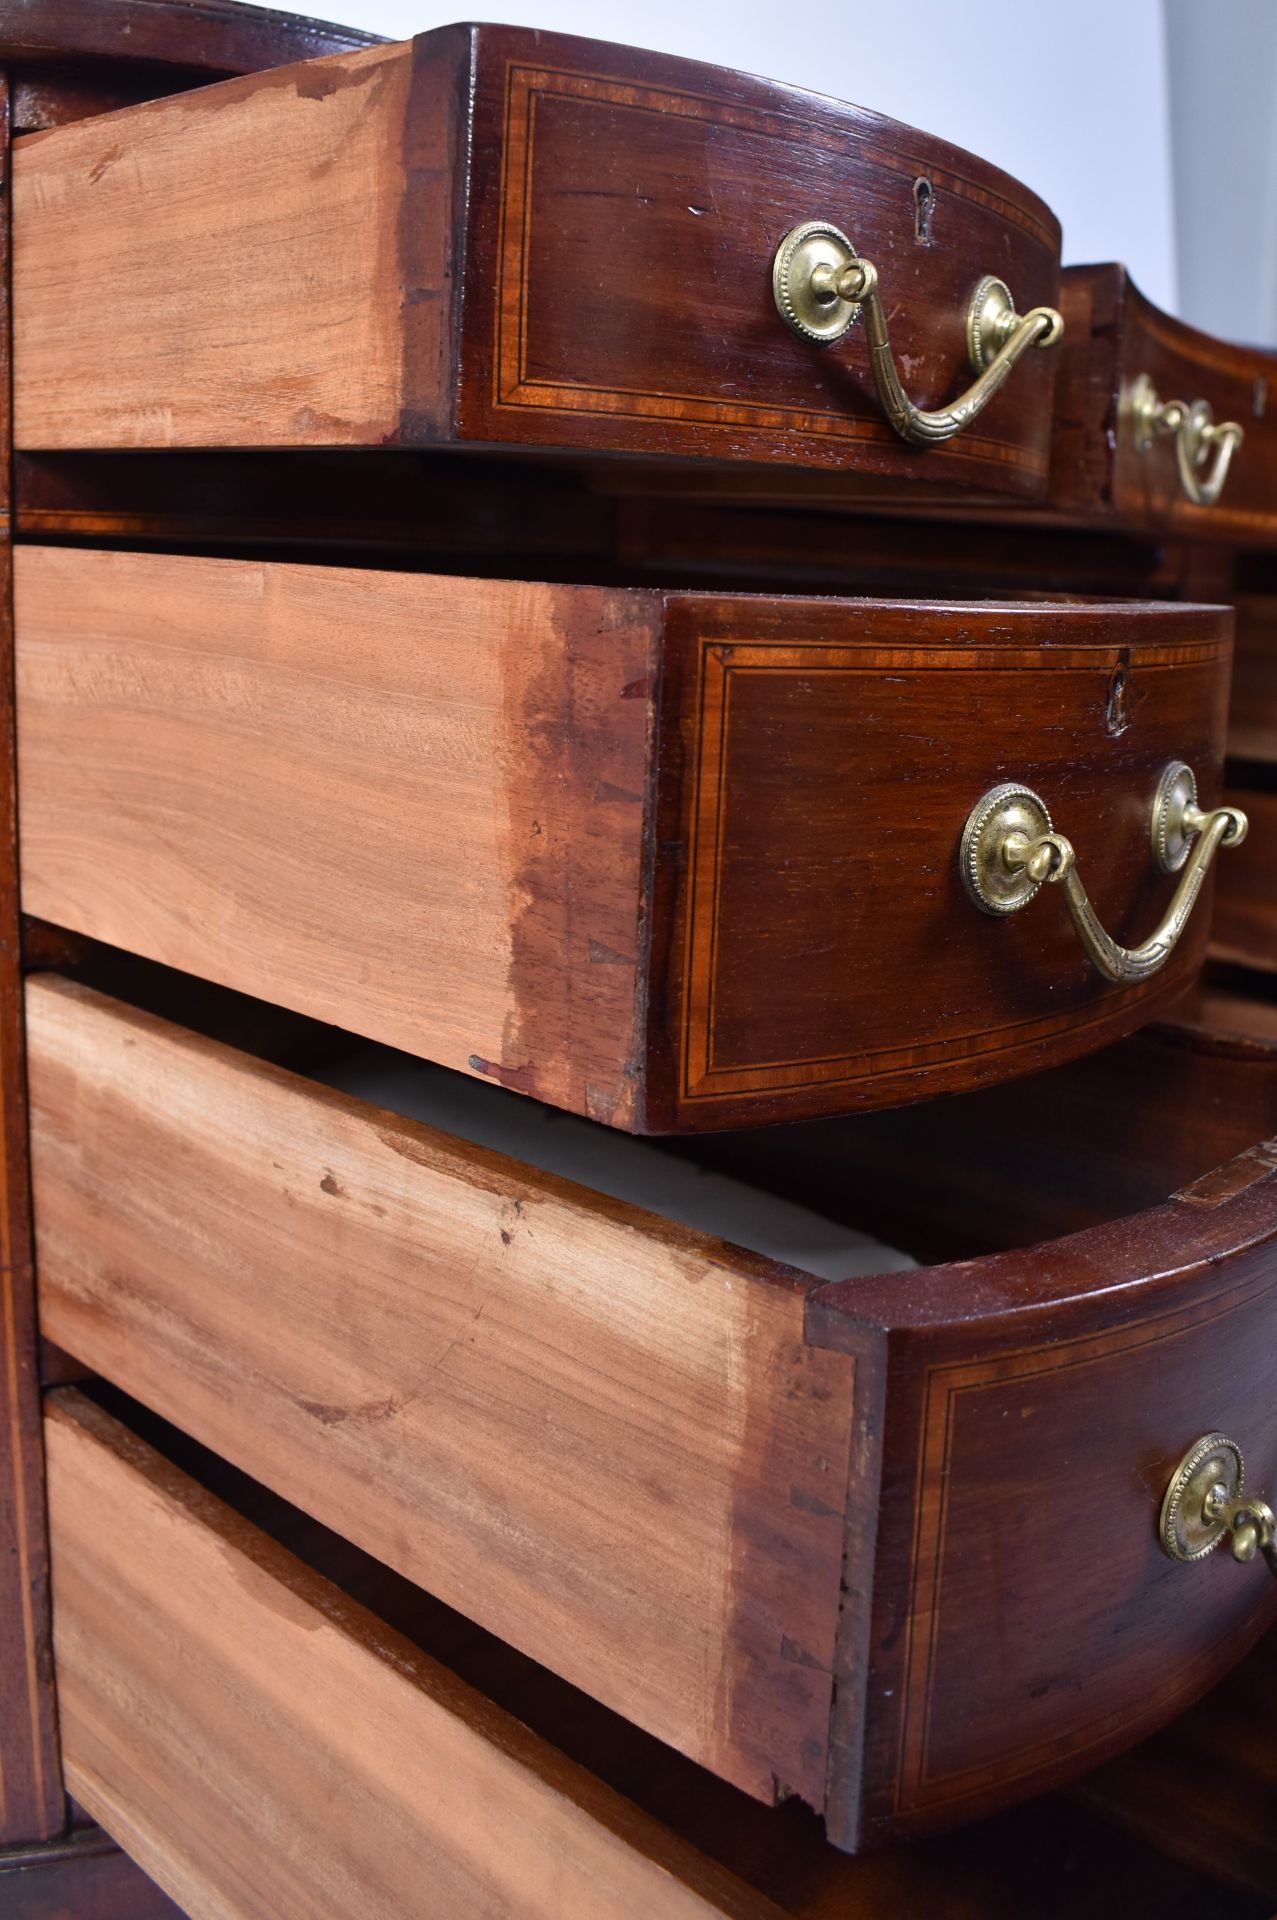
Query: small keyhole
point(1117, 715)
point(924, 200)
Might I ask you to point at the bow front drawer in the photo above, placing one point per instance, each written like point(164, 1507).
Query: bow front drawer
point(887, 1541)
point(366, 1744)
point(494, 237)
point(676, 861)
point(1157, 424)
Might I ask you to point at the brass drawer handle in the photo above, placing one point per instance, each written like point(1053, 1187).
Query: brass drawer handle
point(1009, 849)
point(1204, 1501)
point(1197, 437)
point(821, 285)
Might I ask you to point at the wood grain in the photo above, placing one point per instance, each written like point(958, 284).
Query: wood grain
point(683, 351)
point(31, 1803)
point(832, 751)
point(261, 304)
point(1085, 399)
point(1252, 720)
point(68, 59)
point(408, 805)
point(62, 58)
point(1110, 1135)
point(557, 1412)
point(520, 520)
point(266, 1749)
point(473, 820)
point(983, 1872)
point(31, 1799)
point(407, 255)
point(1244, 930)
point(1203, 1791)
point(596, 1434)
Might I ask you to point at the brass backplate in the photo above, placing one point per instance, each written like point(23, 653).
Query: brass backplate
point(991, 318)
point(1005, 810)
point(814, 244)
point(1176, 800)
point(1213, 1462)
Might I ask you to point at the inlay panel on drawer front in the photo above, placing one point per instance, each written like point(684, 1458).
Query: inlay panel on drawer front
point(888, 1542)
point(496, 237)
point(675, 861)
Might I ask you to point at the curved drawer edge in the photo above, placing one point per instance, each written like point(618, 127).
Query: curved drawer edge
point(1026, 1623)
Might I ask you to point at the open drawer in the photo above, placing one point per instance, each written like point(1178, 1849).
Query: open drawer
point(277, 1726)
point(495, 237)
point(889, 1543)
point(677, 861)
point(1159, 425)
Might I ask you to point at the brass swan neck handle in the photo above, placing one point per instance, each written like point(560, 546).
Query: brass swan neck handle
point(1010, 849)
point(1199, 439)
point(1205, 1501)
point(821, 286)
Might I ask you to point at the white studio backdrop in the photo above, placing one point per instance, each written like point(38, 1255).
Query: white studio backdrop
point(1222, 72)
point(1073, 100)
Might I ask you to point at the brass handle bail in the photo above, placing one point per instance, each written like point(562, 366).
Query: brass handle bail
point(821, 287)
point(1204, 446)
point(1205, 1502)
point(1009, 849)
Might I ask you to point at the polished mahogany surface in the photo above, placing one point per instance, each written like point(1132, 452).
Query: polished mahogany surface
point(1098, 469)
point(676, 861)
point(494, 237)
point(1005, 1616)
point(843, 1526)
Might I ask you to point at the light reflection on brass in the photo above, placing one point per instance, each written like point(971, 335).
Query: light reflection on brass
point(1205, 1502)
point(822, 286)
point(1009, 849)
point(1204, 446)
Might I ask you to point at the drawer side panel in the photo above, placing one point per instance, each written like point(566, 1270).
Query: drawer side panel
point(264, 1747)
point(223, 268)
point(410, 806)
point(599, 1437)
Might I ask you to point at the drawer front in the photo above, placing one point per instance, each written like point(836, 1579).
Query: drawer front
point(697, 175)
point(1104, 460)
point(699, 1485)
point(265, 1748)
point(672, 861)
point(1028, 1450)
point(824, 951)
point(1252, 719)
point(1244, 929)
point(410, 256)
point(1040, 1623)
